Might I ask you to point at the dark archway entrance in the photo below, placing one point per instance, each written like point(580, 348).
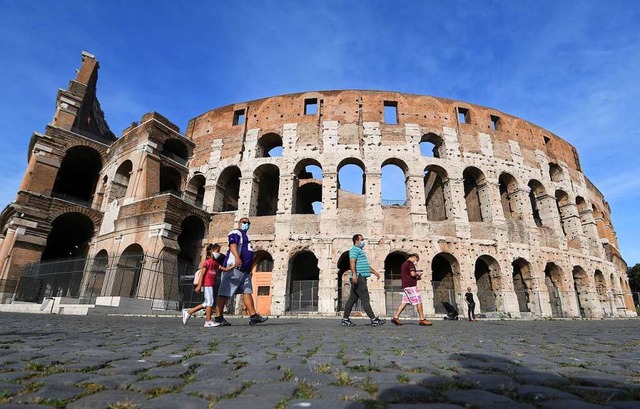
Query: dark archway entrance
point(393, 282)
point(69, 238)
point(553, 281)
point(78, 174)
point(443, 268)
point(304, 276)
point(128, 272)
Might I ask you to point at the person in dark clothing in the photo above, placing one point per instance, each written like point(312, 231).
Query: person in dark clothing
point(471, 305)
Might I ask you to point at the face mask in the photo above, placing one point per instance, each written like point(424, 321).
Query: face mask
point(245, 226)
point(362, 243)
point(215, 255)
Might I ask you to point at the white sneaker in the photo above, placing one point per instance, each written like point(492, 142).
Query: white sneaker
point(208, 324)
point(185, 316)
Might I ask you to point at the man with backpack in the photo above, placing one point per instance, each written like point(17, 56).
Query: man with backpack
point(238, 280)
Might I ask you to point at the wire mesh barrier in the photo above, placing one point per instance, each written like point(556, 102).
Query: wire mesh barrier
point(303, 296)
point(166, 282)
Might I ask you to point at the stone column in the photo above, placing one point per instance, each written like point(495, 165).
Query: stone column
point(373, 192)
point(248, 191)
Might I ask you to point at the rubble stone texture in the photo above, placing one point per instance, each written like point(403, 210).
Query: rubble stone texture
point(493, 202)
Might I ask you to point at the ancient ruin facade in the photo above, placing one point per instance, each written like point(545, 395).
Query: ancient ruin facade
point(490, 201)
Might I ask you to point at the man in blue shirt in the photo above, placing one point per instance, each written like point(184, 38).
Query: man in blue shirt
point(360, 271)
point(238, 280)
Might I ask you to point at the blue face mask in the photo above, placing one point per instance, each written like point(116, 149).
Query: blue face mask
point(362, 243)
point(245, 226)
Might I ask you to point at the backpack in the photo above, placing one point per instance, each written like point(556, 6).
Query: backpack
point(196, 276)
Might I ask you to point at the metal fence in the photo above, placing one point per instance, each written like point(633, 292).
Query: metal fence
point(166, 282)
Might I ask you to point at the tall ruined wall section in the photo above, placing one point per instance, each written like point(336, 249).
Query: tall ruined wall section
point(572, 229)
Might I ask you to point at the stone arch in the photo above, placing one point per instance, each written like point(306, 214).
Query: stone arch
point(537, 194)
point(524, 285)
point(393, 279)
point(348, 195)
point(194, 193)
point(69, 237)
point(390, 180)
point(555, 172)
point(508, 186)
point(477, 198)
point(94, 277)
point(227, 192)
point(120, 181)
point(582, 291)
point(269, 145)
point(176, 150)
point(304, 277)
point(170, 180)
point(78, 175)
point(432, 145)
point(128, 272)
point(553, 278)
point(562, 200)
point(265, 190)
point(488, 283)
point(436, 189)
point(445, 276)
point(192, 232)
point(344, 286)
point(308, 187)
point(602, 292)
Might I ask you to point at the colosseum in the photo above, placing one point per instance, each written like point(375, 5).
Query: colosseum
point(488, 200)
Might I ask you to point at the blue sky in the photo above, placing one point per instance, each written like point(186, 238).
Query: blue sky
point(572, 67)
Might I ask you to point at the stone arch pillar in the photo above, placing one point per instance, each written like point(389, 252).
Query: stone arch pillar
point(416, 194)
point(373, 192)
point(247, 190)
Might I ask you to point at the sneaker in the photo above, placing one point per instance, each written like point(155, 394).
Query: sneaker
point(346, 322)
point(185, 316)
point(257, 319)
point(395, 321)
point(220, 323)
point(208, 324)
point(377, 321)
point(425, 323)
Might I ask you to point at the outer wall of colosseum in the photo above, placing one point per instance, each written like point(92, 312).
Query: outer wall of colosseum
point(493, 202)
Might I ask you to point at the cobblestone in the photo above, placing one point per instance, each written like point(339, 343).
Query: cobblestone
point(144, 362)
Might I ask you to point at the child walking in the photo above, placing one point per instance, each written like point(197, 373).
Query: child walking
point(210, 267)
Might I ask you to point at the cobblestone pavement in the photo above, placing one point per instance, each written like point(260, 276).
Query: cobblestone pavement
point(138, 362)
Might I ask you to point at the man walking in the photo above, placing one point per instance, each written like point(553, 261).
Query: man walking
point(360, 271)
point(238, 280)
point(410, 291)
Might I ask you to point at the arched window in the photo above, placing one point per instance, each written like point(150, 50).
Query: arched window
point(176, 150)
point(523, 284)
point(508, 187)
point(269, 146)
point(478, 203)
point(307, 195)
point(264, 194)
point(562, 199)
point(394, 183)
point(120, 181)
point(195, 190)
point(555, 172)
point(351, 183)
point(431, 145)
point(227, 190)
point(536, 193)
point(434, 189)
point(170, 180)
point(78, 174)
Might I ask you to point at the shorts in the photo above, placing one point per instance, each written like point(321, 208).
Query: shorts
point(208, 297)
point(235, 282)
point(411, 295)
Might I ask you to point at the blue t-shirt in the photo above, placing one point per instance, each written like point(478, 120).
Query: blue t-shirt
point(362, 264)
point(240, 238)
